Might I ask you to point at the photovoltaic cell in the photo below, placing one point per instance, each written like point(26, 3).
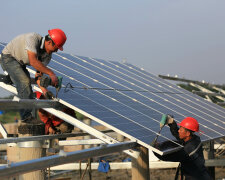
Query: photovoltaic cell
point(130, 100)
point(166, 104)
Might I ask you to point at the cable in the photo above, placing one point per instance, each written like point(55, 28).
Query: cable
point(69, 86)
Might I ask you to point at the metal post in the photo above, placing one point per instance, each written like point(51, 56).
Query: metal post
point(140, 166)
point(87, 121)
point(209, 154)
point(89, 169)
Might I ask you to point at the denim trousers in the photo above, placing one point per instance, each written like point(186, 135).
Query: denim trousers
point(20, 78)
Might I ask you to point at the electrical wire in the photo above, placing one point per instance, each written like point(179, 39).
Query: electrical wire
point(69, 86)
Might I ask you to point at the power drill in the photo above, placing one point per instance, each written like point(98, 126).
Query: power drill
point(45, 81)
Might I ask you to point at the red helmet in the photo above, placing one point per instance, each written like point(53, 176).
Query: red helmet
point(190, 123)
point(38, 94)
point(58, 37)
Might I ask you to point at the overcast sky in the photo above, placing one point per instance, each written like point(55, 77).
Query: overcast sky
point(176, 37)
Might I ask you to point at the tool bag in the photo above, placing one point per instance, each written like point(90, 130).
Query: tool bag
point(103, 166)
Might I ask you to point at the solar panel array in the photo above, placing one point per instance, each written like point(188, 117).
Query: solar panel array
point(130, 100)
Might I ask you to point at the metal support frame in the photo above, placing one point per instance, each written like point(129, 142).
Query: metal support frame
point(198, 85)
point(190, 81)
point(44, 137)
point(208, 93)
point(219, 89)
point(181, 79)
point(3, 131)
point(81, 142)
point(76, 122)
point(88, 129)
point(28, 103)
point(204, 90)
point(63, 158)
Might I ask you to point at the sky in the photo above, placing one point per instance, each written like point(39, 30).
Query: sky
point(177, 37)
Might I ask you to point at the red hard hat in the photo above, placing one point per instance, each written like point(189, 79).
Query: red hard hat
point(58, 37)
point(38, 94)
point(190, 123)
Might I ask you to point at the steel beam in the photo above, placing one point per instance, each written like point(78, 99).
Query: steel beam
point(28, 103)
point(42, 137)
point(206, 90)
point(81, 142)
point(3, 131)
point(76, 122)
point(88, 129)
point(63, 158)
point(208, 93)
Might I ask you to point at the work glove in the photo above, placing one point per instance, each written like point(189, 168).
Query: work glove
point(166, 119)
point(49, 95)
point(169, 119)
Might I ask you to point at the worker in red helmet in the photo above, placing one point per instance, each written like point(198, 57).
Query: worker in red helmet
point(30, 49)
point(192, 163)
point(53, 124)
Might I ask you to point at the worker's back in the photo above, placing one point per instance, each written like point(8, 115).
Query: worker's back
point(192, 160)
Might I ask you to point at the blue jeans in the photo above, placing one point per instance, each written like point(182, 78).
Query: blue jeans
point(20, 78)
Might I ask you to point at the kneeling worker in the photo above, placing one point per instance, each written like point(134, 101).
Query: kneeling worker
point(53, 124)
point(191, 157)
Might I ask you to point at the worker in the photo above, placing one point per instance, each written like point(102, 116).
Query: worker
point(34, 50)
point(53, 124)
point(192, 163)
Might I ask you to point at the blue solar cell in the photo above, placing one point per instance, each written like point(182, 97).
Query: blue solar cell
point(130, 100)
point(144, 109)
point(185, 94)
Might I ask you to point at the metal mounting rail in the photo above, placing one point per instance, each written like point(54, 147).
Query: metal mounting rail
point(191, 81)
point(63, 158)
point(27, 103)
point(44, 137)
point(77, 123)
point(208, 93)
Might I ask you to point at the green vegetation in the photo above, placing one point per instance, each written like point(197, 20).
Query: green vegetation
point(79, 116)
point(9, 116)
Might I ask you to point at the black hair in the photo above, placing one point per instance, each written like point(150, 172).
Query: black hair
point(191, 132)
point(48, 38)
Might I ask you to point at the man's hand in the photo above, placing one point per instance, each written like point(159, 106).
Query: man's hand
point(54, 80)
point(166, 119)
point(49, 95)
point(38, 75)
point(169, 119)
point(51, 130)
point(44, 91)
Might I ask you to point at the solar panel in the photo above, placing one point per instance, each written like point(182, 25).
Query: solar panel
point(130, 100)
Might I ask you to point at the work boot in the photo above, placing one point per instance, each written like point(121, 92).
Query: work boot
point(32, 126)
point(29, 121)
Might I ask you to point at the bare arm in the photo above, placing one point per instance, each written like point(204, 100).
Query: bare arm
point(34, 62)
point(38, 64)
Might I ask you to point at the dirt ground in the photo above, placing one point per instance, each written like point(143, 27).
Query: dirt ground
point(155, 174)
